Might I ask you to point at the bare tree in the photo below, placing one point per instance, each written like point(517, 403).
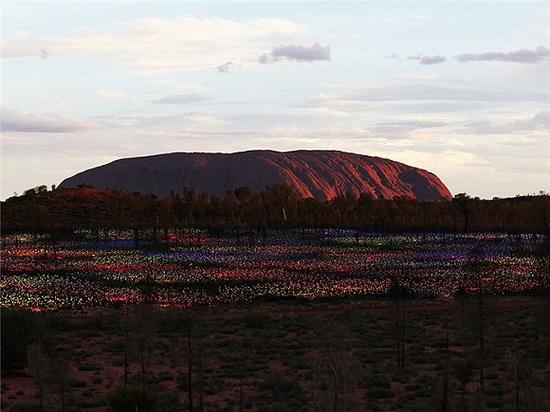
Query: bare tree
point(37, 361)
point(476, 264)
point(463, 372)
point(126, 329)
point(337, 371)
point(200, 380)
point(190, 367)
point(398, 291)
point(60, 378)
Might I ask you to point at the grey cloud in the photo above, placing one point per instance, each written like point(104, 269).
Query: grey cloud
point(187, 98)
point(403, 126)
point(518, 56)
point(226, 67)
point(416, 107)
point(265, 59)
point(540, 122)
point(297, 53)
point(411, 124)
point(427, 60)
point(15, 121)
point(432, 59)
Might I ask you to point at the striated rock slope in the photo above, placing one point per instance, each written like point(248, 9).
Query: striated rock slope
point(323, 174)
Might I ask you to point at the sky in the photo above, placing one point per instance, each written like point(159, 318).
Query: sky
point(460, 89)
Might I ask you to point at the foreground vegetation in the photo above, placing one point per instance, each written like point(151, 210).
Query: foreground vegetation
point(393, 354)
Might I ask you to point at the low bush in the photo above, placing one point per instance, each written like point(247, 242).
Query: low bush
point(257, 319)
point(131, 398)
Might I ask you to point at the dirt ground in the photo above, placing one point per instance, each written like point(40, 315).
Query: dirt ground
point(295, 355)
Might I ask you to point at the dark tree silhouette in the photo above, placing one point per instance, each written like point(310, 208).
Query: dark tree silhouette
point(277, 207)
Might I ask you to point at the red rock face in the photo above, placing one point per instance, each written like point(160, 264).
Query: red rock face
point(323, 174)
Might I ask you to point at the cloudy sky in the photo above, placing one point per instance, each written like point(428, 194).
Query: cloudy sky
point(459, 89)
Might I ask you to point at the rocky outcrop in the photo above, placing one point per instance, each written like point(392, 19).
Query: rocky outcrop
point(322, 174)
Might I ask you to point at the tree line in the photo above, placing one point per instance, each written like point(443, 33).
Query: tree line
point(276, 207)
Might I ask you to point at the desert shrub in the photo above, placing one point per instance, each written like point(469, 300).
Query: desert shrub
point(131, 398)
point(257, 319)
point(165, 376)
point(115, 346)
point(16, 336)
point(78, 384)
point(375, 393)
point(491, 375)
point(397, 406)
point(26, 407)
point(378, 380)
point(402, 375)
point(280, 388)
point(86, 401)
point(183, 381)
point(495, 403)
point(89, 367)
point(168, 402)
point(494, 389)
point(169, 322)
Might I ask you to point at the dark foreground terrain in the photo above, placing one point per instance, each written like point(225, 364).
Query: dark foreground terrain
point(465, 353)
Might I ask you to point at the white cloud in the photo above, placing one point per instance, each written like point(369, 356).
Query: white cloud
point(111, 95)
point(15, 121)
point(192, 121)
point(155, 45)
point(542, 23)
point(185, 98)
point(326, 112)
